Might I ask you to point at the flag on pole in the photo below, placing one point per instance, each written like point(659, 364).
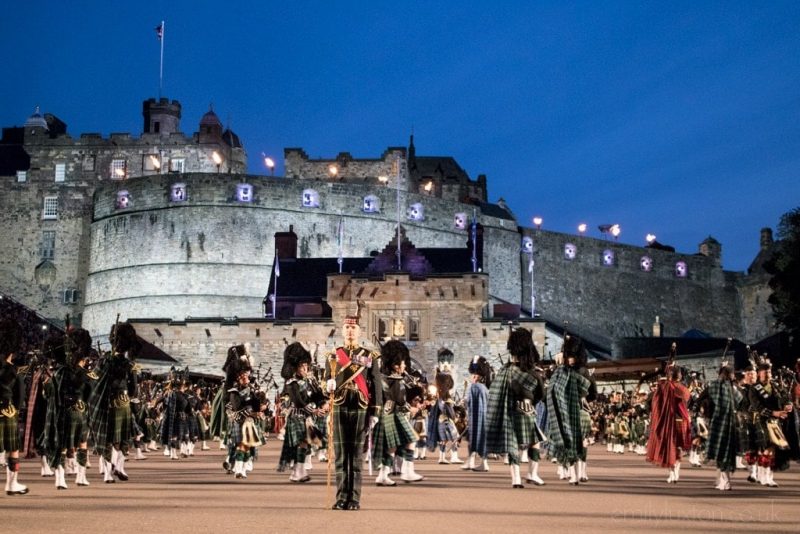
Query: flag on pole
point(160, 31)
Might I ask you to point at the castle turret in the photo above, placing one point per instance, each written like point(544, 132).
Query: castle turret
point(766, 239)
point(162, 116)
point(210, 127)
point(35, 127)
point(712, 248)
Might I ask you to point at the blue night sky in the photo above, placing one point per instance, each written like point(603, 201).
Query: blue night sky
point(680, 119)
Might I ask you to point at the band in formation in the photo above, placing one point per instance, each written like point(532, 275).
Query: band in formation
point(70, 402)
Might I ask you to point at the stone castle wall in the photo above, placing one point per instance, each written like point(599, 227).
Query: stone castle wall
point(623, 300)
point(211, 255)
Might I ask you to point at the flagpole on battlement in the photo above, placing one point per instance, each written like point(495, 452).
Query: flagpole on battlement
point(160, 31)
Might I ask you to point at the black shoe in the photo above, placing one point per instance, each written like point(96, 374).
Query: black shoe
point(340, 505)
point(120, 475)
point(353, 505)
point(20, 492)
point(752, 479)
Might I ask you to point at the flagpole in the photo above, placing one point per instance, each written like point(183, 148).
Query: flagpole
point(275, 287)
point(399, 253)
point(341, 244)
point(161, 66)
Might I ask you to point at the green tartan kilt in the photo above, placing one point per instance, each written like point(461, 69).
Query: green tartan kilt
point(396, 431)
point(77, 428)
point(586, 424)
point(525, 429)
point(9, 434)
point(295, 430)
point(120, 425)
point(747, 435)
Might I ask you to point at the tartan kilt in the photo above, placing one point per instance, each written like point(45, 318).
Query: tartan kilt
point(295, 430)
point(193, 427)
point(525, 429)
point(234, 435)
point(77, 428)
point(396, 431)
point(761, 435)
point(120, 425)
point(586, 424)
point(180, 428)
point(683, 434)
point(447, 430)
point(9, 434)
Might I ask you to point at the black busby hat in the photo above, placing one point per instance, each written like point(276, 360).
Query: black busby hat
point(54, 348)
point(293, 356)
point(123, 339)
point(392, 353)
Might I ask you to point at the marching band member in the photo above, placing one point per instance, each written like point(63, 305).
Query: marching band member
point(11, 400)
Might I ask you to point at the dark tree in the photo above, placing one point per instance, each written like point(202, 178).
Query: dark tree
point(784, 266)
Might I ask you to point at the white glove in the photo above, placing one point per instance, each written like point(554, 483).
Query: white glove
point(372, 422)
point(331, 385)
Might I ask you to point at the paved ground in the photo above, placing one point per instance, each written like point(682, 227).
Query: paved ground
point(194, 495)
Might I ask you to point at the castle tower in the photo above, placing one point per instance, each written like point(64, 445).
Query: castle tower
point(210, 127)
point(766, 239)
point(712, 248)
point(162, 116)
point(35, 127)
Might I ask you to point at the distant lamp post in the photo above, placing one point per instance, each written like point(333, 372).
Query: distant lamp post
point(615, 231)
point(217, 160)
point(650, 238)
point(537, 221)
point(333, 170)
point(270, 163)
point(582, 228)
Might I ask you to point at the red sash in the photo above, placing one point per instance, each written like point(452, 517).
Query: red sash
point(344, 361)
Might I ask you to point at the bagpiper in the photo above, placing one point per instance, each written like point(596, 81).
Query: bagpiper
point(476, 403)
point(12, 394)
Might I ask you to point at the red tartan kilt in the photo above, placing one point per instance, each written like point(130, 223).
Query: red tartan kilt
point(683, 434)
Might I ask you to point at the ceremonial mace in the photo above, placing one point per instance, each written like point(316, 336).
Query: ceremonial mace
point(330, 435)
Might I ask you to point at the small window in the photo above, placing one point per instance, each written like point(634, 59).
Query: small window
point(123, 199)
point(48, 249)
point(119, 169)
point(50, 210)
point(61, 172)
point(381, 328)
point(88, 162)
point(310, 198)
point(372, 204)
point(156, 126)
point(646, 264)
point(681, 270)
point(71, 296)
point(151, 162)
point(22, 176)
point(527, 245)
point(178, 192)
point(608, 258)
point(416, 212)
point(177, 165)
point(244, 192)
point(413, 330)
point(570, 251)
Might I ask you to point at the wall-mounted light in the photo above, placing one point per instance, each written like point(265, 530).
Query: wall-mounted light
point(333, 171)
point(428, 187)
point(217, 159)
point(270, 163)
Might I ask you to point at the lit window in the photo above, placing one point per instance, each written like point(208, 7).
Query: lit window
point(460, 221)
point(570, 251)
point(646, 264)
point(177, 165)
point(178, 192)
point(119, 169)
point(608, 257)
point(416, 212)
point(123, 199)
point(244, 192)
point(50, 210)
point(61, 172)
point(310, 198)
point(372, 204)
point(151, 162)
point(48, 249)
point(527, 245)
point(681, 270)
point(22, 176)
